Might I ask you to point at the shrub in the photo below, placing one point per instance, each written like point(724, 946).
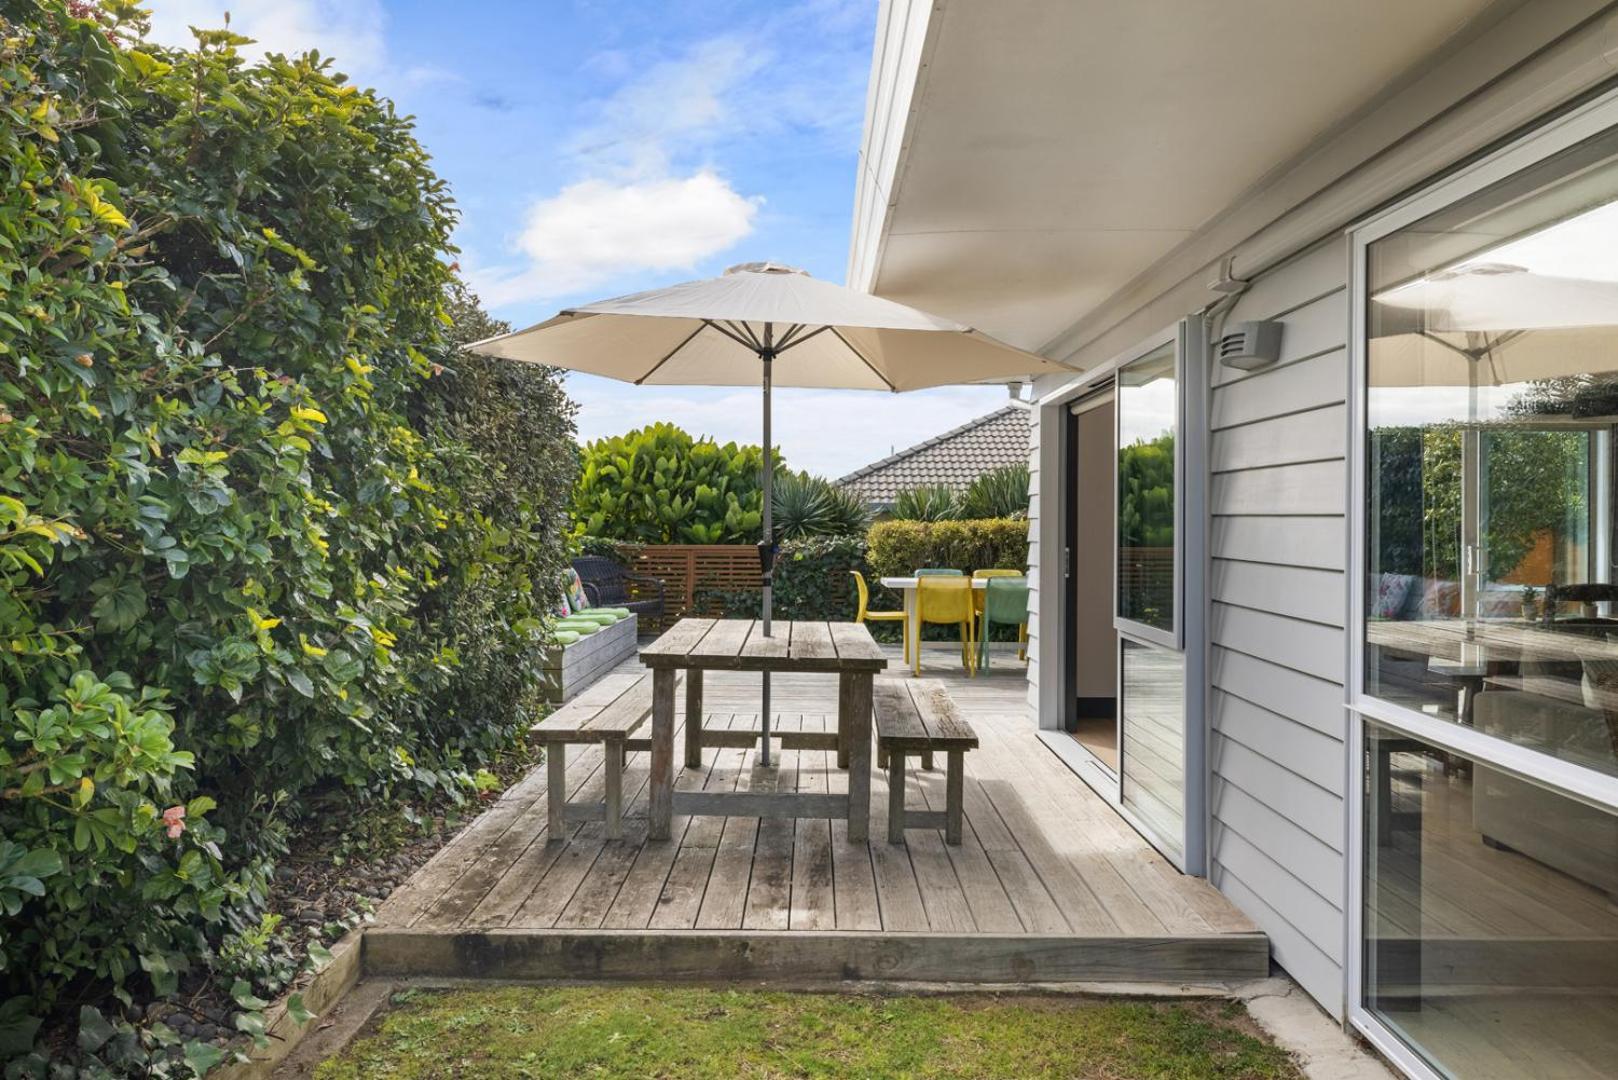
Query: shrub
point(253, 550)
point(811, 582)
point(811, 506)
point(929, 502)
point(998, 493)
point(899, 548)
point(658, 485)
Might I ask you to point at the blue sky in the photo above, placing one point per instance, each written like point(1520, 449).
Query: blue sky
point(601, 148)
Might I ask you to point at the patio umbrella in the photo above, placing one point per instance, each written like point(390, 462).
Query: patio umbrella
point(769, 325)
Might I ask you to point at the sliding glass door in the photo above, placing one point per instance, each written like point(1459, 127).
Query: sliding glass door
point(1151, 667)
point(1132, 577)
point(1487, 618)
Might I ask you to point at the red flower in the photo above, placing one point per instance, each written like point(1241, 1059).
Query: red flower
point(174, 819)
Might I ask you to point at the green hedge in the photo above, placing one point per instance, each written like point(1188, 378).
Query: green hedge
point(659, 485)
point(267, 543)
point(899, 548)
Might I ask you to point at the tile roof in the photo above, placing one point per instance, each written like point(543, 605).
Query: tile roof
point(957, 457)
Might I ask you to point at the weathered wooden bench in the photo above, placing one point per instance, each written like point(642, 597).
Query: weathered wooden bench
point(609, 713)
point(916, 716)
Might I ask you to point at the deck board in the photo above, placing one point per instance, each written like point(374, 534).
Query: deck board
point(1045, 868)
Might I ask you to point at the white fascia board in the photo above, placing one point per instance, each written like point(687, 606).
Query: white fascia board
point(906, 31)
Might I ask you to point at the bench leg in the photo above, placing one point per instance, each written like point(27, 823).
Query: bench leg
point(555, 789)
point(954, 796)
point(896, 797)
point(927, 760)
point(693, 718)
point(614, 769)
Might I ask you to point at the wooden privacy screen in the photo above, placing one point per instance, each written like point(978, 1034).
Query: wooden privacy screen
point(687, 570)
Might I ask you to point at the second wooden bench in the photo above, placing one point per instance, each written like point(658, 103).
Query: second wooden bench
point(916, 716)
point(608, 713)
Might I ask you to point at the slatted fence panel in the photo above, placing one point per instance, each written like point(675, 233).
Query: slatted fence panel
point(688, 571)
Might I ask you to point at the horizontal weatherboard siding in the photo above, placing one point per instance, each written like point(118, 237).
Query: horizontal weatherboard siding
point(1277, 493)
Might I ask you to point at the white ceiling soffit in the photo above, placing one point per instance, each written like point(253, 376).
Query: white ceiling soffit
point(1023, 159)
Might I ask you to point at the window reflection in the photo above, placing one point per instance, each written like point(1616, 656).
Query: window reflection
point(1492, 399)
point(1148, 408)
point(1153, 715)
point(1491, 936)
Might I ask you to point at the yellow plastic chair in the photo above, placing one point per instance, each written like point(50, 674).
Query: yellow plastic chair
point(979, 594)
point(877, 616)
point(945, 600)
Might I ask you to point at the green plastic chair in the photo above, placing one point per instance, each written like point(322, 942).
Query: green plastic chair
point(1005, 601)
point(939, 571)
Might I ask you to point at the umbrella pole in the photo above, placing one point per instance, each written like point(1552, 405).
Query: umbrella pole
point(766, 355)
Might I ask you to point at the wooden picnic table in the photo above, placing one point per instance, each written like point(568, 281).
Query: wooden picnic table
point(693, 646)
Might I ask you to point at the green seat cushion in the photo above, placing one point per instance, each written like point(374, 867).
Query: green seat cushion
point(600, 618)
point(579, 626)
point(564, 637)
point(619, 612)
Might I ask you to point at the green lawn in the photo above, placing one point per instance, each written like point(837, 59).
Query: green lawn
point(514, 1031)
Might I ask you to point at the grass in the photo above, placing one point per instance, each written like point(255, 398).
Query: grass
point(600, 1032)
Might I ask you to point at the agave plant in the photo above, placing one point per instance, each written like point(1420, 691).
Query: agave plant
point(928, 502)
point(998, 493)
point(811, 506)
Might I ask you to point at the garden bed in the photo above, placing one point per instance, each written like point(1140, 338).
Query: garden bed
point(570, 668)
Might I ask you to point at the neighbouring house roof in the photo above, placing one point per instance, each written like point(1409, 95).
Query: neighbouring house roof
point(956, 458)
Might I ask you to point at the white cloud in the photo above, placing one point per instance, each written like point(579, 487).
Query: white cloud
point(648, 197)
point(349, 31)
point(594, 230)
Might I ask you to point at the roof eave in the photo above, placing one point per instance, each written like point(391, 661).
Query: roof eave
point(906, 33)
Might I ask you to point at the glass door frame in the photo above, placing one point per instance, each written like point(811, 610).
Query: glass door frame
point(1189, 638)
point(1594, 118)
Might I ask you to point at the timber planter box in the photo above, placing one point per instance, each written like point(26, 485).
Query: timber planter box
point(570, 668)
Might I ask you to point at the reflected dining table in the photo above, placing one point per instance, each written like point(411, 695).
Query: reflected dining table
point(694, 646)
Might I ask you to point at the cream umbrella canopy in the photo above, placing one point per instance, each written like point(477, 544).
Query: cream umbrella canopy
point(768, 325)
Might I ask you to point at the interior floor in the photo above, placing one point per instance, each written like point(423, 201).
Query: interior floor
point(1099, 735)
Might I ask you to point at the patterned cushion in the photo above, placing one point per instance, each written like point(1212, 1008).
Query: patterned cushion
point(1392, 591)
point(574, 588)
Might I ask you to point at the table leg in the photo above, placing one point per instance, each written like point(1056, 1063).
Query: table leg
point(693, 718)
point(912, 632)
point(859, 756)
point(845, 712)
point(661, 810)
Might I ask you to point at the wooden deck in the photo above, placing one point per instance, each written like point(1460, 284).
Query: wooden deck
point(1049, 884)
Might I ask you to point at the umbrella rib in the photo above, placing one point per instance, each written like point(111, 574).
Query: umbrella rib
point(731, 334)
point(670, 354)
point(790, 341)
point(839, 335)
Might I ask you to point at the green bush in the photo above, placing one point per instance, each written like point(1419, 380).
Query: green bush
point(998, 493)
point(812, 506)
point(265, 539)
point(899, 548)
point(928, 502)
point(658, 485)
